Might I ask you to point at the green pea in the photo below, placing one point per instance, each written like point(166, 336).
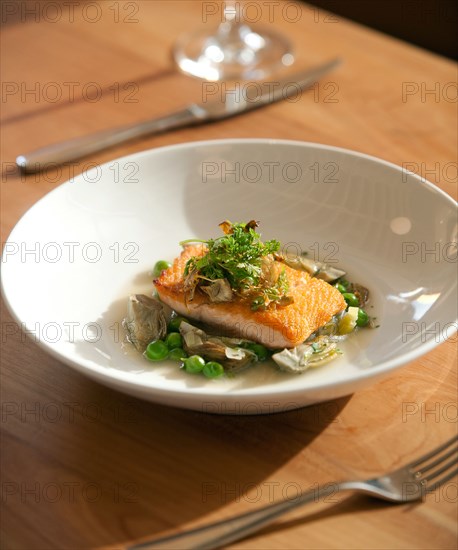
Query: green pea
point(363, 318)
point(160, 266)
point(213, 369)
point(177, 354)
point(194, 364)
point(174, 340)
point(157, 351)
point(340, 287)
point(174, 324)
point(351, 299)
point(260, 351)
point(344, 283)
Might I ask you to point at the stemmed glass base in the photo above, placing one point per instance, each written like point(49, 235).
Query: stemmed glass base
point(234, 51)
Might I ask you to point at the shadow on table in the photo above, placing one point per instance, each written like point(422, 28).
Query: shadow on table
point(173, 466)
point(126, 469)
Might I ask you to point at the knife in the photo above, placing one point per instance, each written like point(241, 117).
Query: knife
point(234, 102)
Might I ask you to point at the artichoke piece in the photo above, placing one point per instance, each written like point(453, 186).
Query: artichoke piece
point(218, 290)
point(316, 269)
point(146, 320)
point(270, 270)
point(329, 273)
point(361, 292)
point(216, 348)
point(190, 284)
point(313, 354)
point(299, 262)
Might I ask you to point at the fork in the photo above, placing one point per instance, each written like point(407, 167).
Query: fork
point(407, 484)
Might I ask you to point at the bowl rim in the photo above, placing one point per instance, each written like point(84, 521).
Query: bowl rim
point(127, 379)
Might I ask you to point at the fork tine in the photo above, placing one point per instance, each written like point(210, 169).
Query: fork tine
point(433, 453)
point(439, 482)
point(439, 460)
point(438, 472)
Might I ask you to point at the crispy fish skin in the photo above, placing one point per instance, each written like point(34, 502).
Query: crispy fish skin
point(315, 302)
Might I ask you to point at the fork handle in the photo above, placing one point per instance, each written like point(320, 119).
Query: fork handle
point(224, 532)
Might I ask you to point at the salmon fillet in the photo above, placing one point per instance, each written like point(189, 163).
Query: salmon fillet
point(315, 302)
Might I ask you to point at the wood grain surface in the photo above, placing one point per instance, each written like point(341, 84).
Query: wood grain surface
point(86, 467)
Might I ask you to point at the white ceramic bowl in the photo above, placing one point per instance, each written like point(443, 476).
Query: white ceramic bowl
point(95, 239)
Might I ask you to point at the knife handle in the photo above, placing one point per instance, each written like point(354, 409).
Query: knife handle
point(66, 151)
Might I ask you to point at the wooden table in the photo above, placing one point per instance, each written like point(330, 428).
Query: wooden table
point(84, 466)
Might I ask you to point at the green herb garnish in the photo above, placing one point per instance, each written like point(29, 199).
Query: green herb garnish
point(240, 257)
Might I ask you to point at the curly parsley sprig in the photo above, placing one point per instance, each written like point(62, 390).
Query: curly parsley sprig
point(237, 256)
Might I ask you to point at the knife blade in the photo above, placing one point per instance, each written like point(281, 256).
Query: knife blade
point(234, 102)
